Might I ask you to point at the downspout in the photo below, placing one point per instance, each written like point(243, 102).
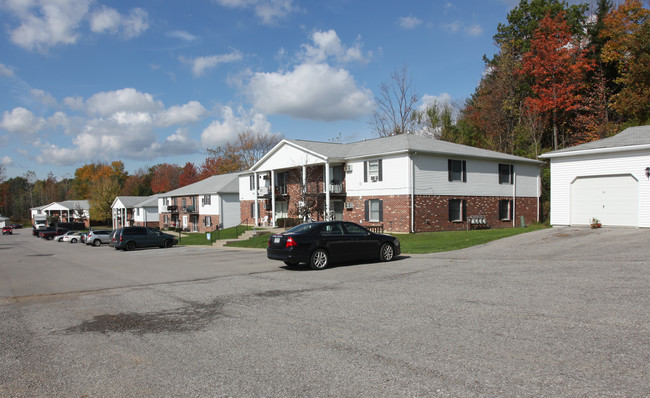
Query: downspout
point(327, 191)
point(412, 183)
point(256, 216)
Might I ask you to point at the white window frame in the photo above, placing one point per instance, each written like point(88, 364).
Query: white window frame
point(460, 217)
point(373, 210)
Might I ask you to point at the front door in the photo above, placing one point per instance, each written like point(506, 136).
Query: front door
point(185, 221)
point(337, 210)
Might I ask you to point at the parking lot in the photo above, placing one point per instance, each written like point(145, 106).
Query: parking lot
point(558, 312)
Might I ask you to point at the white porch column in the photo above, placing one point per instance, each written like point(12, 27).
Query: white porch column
point(303, 195)
point(256, 188)
point(327, 190)
point(274, 223)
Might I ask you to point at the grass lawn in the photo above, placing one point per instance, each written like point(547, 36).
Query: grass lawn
point(198, 238)
point(430, 242)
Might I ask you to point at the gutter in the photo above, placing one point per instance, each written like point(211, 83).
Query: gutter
point(594, 151)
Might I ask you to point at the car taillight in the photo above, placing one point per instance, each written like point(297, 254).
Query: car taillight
point(290, 243)
point(120, 238)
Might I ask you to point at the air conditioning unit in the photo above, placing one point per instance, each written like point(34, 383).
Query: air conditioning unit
point(374, 178)
point(348, 168)
point(349, 205)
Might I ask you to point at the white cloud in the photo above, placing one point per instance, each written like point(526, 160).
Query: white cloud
point(218, 132)
point(459, 26)
point(182, 35)
point(201, 64)
point(105, 19)
point(191, 112)
point(310, 91)
point(474, 30)
point(328, 44)
point(74, 103)
point(409, 22)
point(109, 20)
point(126, 99)
point(46, 23)
point(44, 97)
point(269, 11)
point(21, 121)
point(441, 100)
point(6, 70)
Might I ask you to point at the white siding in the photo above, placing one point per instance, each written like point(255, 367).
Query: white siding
point(212, 208)
point(432, 178)
point(151, 214)
point(564, 170)
point(395, 178)
point(230, 210)
point(288, 157)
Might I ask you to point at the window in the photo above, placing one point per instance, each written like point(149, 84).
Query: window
point(505, 210)
point(506, 173)
point(457, 170)
point(372, 171)
point(207, 221)
point(251, 182)
point(457, 210)
point(332, 229)
point(165, 219)
point(374, 210)
point(194, 202)
point(184, 202)
point(207, 199)
point(253, 210)
point(281, 183)
point(354, 229)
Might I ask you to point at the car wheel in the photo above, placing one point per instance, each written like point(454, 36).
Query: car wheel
point(97, 242)
point(73, 240)
point(319, 259)
point(130, 246)
point(50, 237)
point(168, 243)
point(386, 252)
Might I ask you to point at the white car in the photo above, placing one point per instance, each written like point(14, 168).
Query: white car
point(72, 237)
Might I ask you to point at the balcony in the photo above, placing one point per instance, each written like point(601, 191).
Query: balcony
point(189, 209)
point(172, 209)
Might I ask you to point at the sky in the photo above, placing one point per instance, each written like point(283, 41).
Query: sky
point(152, 81)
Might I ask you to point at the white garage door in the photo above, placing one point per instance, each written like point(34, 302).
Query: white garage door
point(614, 200)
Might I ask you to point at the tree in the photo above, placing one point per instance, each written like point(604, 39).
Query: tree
point(102, 195)
point(137, 184)
point(556, 65)
point(395, 106)
point(627, 31)
point(188, 175)
point(165, 178)
point(239, 155)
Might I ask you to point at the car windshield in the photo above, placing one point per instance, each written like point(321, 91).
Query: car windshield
point(301, 229)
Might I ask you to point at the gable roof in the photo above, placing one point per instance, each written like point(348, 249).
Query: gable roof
point(69, 205)
point(403, 143)
point(631, 138)
point(222, 183)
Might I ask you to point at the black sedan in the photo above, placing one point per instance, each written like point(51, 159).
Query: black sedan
point(320, 243)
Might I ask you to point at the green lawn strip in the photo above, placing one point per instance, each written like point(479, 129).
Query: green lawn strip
point(200, 238)
point(433, 242)
point(428, 242)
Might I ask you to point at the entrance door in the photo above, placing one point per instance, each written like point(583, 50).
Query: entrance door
point(337, 210)
point(281, 210)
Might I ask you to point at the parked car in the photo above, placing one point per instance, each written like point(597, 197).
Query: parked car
point(52, 233)
point(73, 237)
point(111, 240)
point(96, 237)
point(16, 226)
point(130, 238)
point(83, 237)
point(320, 243)
point(7, 230)
point(60, 238)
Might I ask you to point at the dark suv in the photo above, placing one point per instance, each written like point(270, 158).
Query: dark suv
point(130, 238)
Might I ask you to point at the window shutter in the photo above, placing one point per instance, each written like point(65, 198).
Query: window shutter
point(365, 172)
point(464, 204)
point(449, 172)
point(381, 205)
point(450, 215)
point(367, 209)
point(380, 170)
point(512, 174)
point(252, 210)
point(464, 171)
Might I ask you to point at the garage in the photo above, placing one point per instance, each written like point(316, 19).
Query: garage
point(614, 200)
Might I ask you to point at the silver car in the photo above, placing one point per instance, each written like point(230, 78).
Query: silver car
point(96, 237)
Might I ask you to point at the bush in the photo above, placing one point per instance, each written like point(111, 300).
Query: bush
point(288, 222)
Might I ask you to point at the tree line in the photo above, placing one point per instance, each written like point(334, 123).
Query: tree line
point(100, 183)
point(562, 75)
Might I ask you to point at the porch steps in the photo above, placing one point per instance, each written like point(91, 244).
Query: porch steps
point(248, 235)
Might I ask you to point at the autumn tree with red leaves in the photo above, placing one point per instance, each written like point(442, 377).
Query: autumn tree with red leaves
point(556, 65)
point(165, 178)
point(189, 175)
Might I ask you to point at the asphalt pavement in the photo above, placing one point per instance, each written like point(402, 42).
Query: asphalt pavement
point(554, 313)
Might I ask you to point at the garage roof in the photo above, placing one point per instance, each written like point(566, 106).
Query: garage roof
point(630, 138)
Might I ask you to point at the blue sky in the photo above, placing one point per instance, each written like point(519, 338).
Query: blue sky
point(152, 81)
